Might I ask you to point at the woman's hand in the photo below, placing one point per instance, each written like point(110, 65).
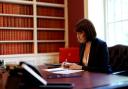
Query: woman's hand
point(72, 66)
point(75, 66)
point(65, 64)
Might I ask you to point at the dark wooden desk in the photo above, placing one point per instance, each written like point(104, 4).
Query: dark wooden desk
point(3, 78)
point(87, 80)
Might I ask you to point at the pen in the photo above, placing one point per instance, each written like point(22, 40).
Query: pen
point(65, 62)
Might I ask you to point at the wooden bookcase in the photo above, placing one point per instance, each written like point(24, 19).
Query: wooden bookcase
point(32, 26)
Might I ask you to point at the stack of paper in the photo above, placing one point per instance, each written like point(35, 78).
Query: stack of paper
point(62, 70)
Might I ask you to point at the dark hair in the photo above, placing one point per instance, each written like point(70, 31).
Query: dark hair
point(86, 26)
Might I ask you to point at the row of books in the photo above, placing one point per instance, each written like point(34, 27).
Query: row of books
point(11, 34)
point(50, 23)
point(24, 48)
point(50, 47)
point(50, 35)
point(50, 11)
point(52, 1)
point(10, 8)
point(16, 48)
point(8, 21)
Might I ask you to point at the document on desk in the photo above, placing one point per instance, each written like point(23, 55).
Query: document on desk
point(62, 71)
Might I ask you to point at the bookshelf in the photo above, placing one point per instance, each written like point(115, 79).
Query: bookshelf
point(32, 26)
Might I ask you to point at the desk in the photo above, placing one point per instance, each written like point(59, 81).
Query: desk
point(87, 80)
point(3, 78)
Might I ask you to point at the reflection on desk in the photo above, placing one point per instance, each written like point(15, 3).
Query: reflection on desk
point(87, 80)
point(90, 80)
point(3, 79)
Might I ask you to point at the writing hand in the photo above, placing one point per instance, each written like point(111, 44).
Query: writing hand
point(66, 65)
point(75, 66)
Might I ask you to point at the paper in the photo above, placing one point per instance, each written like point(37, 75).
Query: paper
point(62, 70)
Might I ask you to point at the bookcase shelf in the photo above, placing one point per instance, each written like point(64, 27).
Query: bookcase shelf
point(52, 1)
point(17, 41)
point(53, 29)
point(25, 2)
point(50, 4)
point(32, 26)
point(48, 41)
point(50, 17)
point(16, 15)
point(16, 28)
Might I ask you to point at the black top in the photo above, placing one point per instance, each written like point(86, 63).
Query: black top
point(98, 57)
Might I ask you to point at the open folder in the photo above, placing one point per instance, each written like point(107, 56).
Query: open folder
point(40, 81)
point(61, 70)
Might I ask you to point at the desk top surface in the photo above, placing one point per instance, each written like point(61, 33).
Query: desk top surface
point(86, 80)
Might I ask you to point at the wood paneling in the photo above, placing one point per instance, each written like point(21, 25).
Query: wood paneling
point(75, 12)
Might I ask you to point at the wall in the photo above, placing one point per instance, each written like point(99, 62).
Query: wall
point(75, 12)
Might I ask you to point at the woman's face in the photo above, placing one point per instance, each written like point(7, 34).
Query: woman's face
point(81, 37)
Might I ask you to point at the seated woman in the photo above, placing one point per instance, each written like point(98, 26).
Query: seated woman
point(94, 54)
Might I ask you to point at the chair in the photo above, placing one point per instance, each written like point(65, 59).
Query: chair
point(119, 58)
point(69, 54)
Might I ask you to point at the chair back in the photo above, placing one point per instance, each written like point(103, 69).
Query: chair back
point(118, 57)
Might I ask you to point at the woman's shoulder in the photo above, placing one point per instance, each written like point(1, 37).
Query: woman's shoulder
point(98, 41)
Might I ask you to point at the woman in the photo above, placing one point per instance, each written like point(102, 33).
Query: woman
point(94, 54)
